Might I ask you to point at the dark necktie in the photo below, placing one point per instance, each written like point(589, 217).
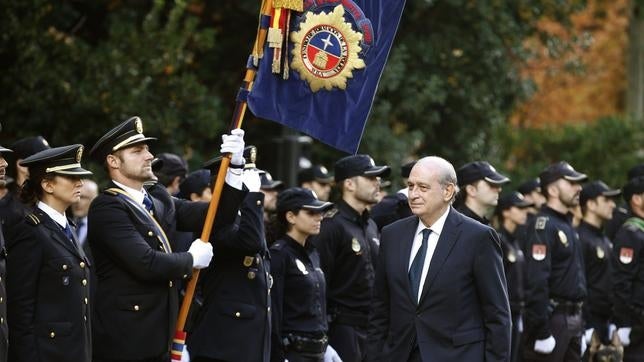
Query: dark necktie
point(416, 269)
point(68, 232)
point(147, 203)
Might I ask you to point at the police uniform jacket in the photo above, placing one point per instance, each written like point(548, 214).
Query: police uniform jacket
point(298, 294)
point(554, 269)
point(348, 247)
point(469, 213)
point(48, 293)
point(628, 273)
point(12, 211)
point(136, 297)
point(234, 321)
point(514, 266)
point(390, 208)
point(597, 250)
point(4, 330)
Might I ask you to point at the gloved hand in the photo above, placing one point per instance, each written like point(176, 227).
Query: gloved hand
point(588, 334)
point(330, 355)
point(584, 345)
point(252, 180)
point(185, 356)
point(545, 346)
point(624, 335)
point(234, 144)
point(201, 254)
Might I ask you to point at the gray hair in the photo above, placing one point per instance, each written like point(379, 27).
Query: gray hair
point(445, 172)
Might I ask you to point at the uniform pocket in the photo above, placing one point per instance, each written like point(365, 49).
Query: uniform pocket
point(53, 329)
point(237, 310)
point(136, 303)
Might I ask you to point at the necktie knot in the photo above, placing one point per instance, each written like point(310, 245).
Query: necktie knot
point(147, 202)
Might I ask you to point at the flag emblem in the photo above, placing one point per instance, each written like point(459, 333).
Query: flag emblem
point(626, 255)
point(538, 252)
point(326, 50)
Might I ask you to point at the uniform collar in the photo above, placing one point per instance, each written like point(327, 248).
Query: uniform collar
point(594, 229)
point(59, 218)
point(350, 213)
point(567, 217)
point(292, 243)
point(136, 194)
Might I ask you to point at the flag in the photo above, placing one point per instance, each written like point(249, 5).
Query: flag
point(334, 54)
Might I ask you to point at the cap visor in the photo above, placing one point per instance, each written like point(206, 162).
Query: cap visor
point(77, 171)
point(136, 142)
point(322, 180)
point(497, 179)
point(2, 149)
point(523, 204)
point(213, 163)
point(576, 177)
point(378, 171)
point(612, 193)
point(318, 206)
point(272, 185)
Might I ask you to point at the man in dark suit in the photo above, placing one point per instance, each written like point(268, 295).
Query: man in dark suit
point(440, 288)
point(129, 229)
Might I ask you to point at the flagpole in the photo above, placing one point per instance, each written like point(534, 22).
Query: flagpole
point(237, 120)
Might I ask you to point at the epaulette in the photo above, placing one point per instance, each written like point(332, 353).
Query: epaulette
point(330, 213)
point(278, 245)
point(540, 223)
point(32, 219)
point(110, 192)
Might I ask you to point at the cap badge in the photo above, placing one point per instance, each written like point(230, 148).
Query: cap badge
point(248, 261)
point(324, 170)
point(626, 255)
point(600, 252)
point(79, 154)
point(355, 245)
point(139, 125)
point(44, 142)
point(538, 252)
point(301, 266)
point(253, 155)
point(562, 237)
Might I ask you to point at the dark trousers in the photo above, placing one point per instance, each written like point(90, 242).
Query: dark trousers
point(349, 341)
point(635, 350)
point(516, 350)
point(567, 330)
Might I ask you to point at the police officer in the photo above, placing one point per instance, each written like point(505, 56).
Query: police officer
point(137, 270)
point(196, 186)
point(318, 179)
point(348, 247)
point(12, 210)
point(512, 212)
point(299, 289)
point(4, 330)
point(393, 207)
point(622, 212)
point(531, 191)
point(234, 321)
point(597, 204)
point(480, 186)
point(628, 280)
point(555, 281)
point(48, 272)
point(171, 172)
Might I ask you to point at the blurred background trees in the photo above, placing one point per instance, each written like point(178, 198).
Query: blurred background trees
point(519, 83)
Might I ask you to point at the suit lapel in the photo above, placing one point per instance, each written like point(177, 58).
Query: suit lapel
point(58, 235)
point(408, 235)
point(446, 242)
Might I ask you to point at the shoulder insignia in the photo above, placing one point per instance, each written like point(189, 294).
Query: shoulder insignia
point(331, 213)
point(540, 223)
point(539, 251)
point(33, 219)
point(562, 237)
point(110, 192)
point(626, 255)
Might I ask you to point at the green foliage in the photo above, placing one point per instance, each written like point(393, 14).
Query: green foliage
point(604, 149)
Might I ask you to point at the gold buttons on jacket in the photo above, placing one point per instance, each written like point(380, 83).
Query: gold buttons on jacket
point(82, 264)
point(86, 301)
point(251, 275)
point(150, 233)
point(84, 281)
point(171, 284)
point(259, 203)
point(136, 308)
point(65, 266)
point(52, 335)
point(237, 314)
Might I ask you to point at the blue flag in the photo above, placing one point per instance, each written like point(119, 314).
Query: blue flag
point(335, 54)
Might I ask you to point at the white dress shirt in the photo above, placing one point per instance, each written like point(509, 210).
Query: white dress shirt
point(137, 195)
point(432, 241)
point(59, 218)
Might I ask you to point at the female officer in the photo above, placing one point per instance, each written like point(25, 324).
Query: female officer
point(48, 273)
point(299, 290)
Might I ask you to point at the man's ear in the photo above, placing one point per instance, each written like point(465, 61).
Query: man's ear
point(112, 161)
point(448, 192)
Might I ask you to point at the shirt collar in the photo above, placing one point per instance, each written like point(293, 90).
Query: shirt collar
point(59, 218)
point(136, 194)
point(438, 225)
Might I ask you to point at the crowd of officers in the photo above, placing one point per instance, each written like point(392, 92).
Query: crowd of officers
point(98, 275)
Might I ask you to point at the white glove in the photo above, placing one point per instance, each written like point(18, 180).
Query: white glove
point(330, 355)
point(545, 346)
point(234, 144)
point(185, 356)
point(201, 254)
point(584, 345)
point(588, 334)
point(252, 180)
point(611, 329)
point(624, 335)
